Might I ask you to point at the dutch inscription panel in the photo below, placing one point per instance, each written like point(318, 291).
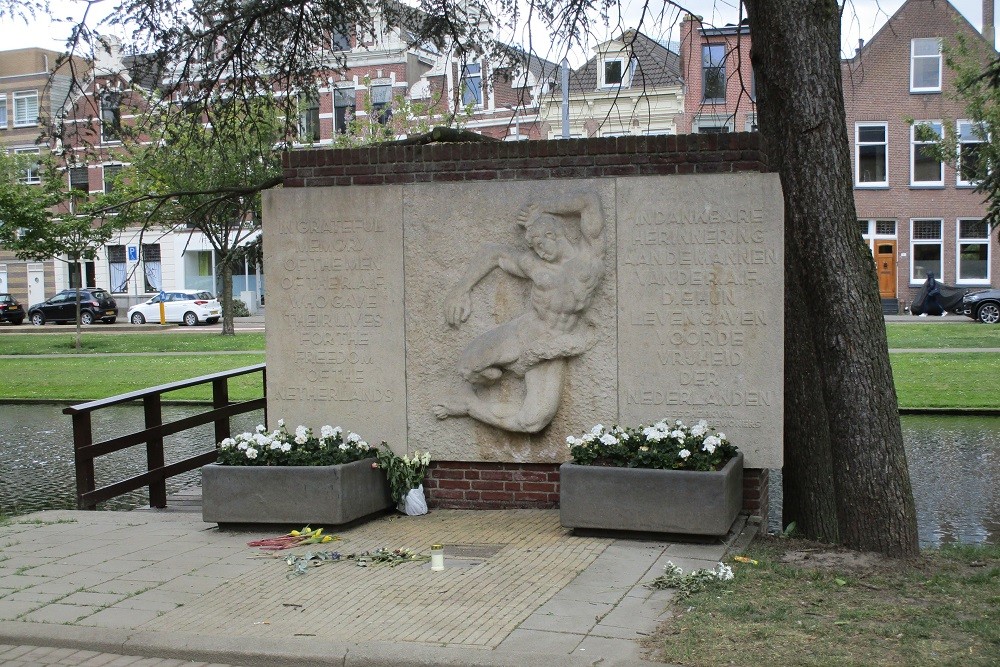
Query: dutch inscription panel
point(700, 307)
point(335, 349)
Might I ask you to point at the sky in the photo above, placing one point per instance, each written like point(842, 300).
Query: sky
point(862, 18)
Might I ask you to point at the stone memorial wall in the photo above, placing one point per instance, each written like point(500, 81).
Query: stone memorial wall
point(484, 301)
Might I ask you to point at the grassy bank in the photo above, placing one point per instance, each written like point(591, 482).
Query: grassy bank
point(115, 343)
point(950, 380)
point(807, 604)
point(100, 377)
point(966, 333)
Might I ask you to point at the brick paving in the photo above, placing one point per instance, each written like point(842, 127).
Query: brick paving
point(164, 588)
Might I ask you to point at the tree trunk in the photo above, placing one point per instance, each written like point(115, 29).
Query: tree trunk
point(840, 400)
point(226, 297)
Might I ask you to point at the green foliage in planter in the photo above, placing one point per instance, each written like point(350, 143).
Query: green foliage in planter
point(661, 446)
point(403, 472)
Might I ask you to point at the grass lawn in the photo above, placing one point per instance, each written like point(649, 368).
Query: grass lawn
point(95, 343)
point(949, 380)
point(808, 604)
point(100, 377)
point(966, 333)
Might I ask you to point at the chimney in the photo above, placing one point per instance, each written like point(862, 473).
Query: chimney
point(989, 30)
point(861, 45)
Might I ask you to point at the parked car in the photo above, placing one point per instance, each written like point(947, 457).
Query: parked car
point(982, 305)
point(10, 309)
point(96, 304)
point(187, 307)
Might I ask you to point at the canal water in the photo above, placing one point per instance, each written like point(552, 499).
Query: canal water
point(37, 469)
point(954, 466)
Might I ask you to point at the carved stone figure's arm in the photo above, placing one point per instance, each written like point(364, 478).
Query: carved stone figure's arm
point(458, 304)
point(588, 205)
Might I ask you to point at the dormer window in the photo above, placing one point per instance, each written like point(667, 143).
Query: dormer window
point(472, 85)
point(111, 117)
point(614, 72)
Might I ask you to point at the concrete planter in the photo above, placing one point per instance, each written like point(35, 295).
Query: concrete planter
point(658, 501)
point(300, 495)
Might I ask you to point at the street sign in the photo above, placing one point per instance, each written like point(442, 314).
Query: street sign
point(133, 253)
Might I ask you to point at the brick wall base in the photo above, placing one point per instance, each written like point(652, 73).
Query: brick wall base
point(475, 485)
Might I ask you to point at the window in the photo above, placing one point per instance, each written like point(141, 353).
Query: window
point(713, 73)
point(111, 117)
point(116, 267)
point(152, 271)
point(970, 139)
point(925, 167)
point(973, 261)
point(613, 73)
point(340, 40)
point(3, 111)
point(111, 174)
point(713, 124)
point(472, 84)
point(89, 273)
point(870, 151)
point(79, 179)
point(308, 119)
point(925, 249)
point(31, 173)
point(25, 108)
point(925, 65)
point(381, 103)
point(343, 100)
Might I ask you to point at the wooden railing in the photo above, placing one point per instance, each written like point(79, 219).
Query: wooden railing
point(157, 471)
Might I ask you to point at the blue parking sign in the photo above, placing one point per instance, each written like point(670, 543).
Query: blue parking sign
point(133, 253)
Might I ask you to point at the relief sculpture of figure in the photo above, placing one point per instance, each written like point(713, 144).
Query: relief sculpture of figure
point(565, 267)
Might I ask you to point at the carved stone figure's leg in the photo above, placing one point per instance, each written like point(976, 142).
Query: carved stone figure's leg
point(482, 362)
point(543, 390)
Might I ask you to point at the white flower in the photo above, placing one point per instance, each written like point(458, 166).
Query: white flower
point(241, 446)
point(342, 446)
point(724, 572)
point(597, 430)
point(711, 442)
point(353, 437)
point(700, 428)
point(281, 422)
point(643, 448)
point(275, 444)
point(260, 428)
point(301, 440)
point(251, 453)
point(678, 435)
point(426, 458)
point(227, 443)
point(326, 431)
point(301, 431)
point(609, 439)
point(684, 453)
point(286, 447)
point(722, 436)
point(679, 423)
point(337, 430)
point(572, 442)
point(363, 445)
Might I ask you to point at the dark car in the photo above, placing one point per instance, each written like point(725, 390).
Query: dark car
point(96, 304)
point(982, 305)
point(10, 309)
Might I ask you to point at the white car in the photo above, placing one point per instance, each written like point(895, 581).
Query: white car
point(187, 307)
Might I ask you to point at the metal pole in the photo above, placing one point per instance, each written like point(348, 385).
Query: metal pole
point(565, 98)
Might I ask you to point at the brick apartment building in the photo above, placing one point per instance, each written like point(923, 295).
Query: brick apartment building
point(918, 215)
point(26, 94)
point(719, 88)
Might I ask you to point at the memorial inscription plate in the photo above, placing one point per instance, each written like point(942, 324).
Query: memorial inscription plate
point(700, 305)
point(335, 350)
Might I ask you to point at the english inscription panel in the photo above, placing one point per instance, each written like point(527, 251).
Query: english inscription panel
point(701, 306)
point(335, 348)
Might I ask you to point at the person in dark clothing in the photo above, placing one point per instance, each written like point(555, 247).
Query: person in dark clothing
point(933, 305)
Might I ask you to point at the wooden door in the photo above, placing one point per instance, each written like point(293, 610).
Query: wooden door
point(885, 264)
